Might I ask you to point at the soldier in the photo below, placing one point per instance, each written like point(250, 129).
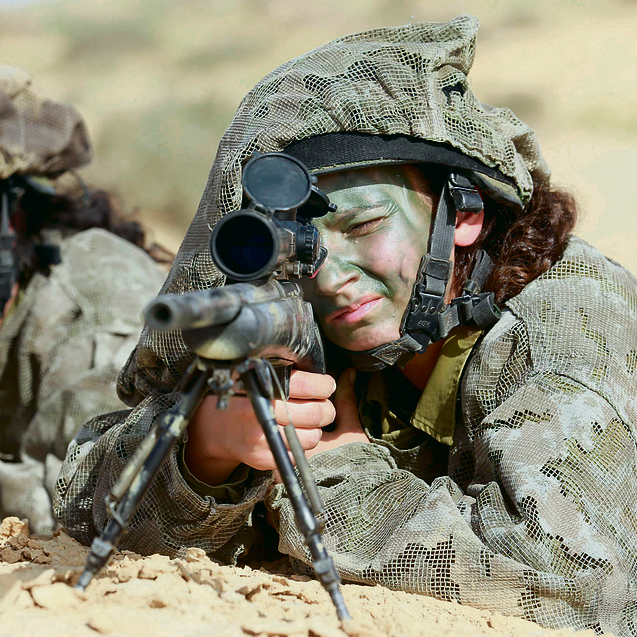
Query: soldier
point(73, 281)
point(485, 458)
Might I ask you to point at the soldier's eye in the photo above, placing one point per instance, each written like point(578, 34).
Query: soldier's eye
point(365, 227)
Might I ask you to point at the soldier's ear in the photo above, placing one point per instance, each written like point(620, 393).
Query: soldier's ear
point(468, 226)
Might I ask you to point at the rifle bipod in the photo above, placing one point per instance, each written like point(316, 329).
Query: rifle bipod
point(130, 488)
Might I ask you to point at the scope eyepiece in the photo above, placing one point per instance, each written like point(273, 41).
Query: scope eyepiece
point(246, 245)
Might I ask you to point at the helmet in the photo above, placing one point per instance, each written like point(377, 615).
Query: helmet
point(38, 136)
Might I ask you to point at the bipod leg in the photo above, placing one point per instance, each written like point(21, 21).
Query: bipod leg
point(258, 385)
point(141, 470)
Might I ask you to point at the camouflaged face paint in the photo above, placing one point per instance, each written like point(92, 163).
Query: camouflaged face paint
point(375, 241)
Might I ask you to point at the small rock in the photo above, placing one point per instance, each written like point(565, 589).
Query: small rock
point(195, 554)
point(207, 579)
point(279, 579)
point(54, 597)
point(249, 591)
point(40, 579)
point(32, 554)
point(23, 600)
point(18, 541)
point(147, 572)
point(123, 571)
point(12, 527)
point(498, 622)
point(10, 555)
point(157, 602)
point(100, 622)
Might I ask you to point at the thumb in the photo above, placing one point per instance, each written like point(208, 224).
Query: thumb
point(345, 401)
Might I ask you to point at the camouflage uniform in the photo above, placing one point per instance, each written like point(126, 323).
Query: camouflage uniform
point(61, 349)
point(535, 514)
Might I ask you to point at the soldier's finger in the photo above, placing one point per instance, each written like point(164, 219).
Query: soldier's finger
point(311, 386)
point(308, 438)
point(305, 414)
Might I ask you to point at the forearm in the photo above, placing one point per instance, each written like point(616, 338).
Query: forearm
point(525, 549)
point(172, 516)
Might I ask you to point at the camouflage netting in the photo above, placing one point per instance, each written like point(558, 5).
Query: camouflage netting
point(536, 513)
point(409, 80)
point(38, 135)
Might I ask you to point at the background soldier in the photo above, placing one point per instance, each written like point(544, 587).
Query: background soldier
point(73, 281)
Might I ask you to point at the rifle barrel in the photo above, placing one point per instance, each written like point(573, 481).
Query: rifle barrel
point(190, 311)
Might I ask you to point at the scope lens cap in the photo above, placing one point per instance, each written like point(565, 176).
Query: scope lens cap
point(276, 181)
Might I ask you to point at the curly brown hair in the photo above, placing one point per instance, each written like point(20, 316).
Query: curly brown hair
point(69, 211)
point(523, 244)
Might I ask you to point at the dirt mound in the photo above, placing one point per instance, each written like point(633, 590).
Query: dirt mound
point(195, 596)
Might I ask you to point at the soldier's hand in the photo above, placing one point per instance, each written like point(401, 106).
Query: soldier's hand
point(220, 440)
point(348, 427)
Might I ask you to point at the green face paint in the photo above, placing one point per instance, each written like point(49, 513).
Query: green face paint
point(375, 241)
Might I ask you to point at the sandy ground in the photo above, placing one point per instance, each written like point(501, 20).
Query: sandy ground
point(195, 596)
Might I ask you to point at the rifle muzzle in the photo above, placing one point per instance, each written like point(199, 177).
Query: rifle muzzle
point(212, 307)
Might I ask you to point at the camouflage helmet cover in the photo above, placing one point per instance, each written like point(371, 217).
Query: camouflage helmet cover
point(408, 81)
point(38, 135)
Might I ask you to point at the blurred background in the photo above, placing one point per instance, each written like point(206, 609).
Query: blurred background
point(159, 81)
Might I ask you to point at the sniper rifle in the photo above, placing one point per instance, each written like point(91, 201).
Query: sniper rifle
point(244, 330)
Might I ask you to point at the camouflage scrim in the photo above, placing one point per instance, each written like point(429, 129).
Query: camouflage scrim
point(535, 515)
point(38, 135)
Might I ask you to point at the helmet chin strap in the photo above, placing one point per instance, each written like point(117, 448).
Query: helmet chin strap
point(427, 319)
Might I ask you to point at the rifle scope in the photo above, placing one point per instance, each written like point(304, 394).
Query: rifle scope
point(266, 236)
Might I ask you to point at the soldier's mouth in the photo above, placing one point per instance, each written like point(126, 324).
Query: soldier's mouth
point(355, 311)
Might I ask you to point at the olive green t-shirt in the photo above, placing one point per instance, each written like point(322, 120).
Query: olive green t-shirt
point(398, 407)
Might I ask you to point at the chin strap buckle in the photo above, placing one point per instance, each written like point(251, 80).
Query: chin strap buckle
point(465, 195)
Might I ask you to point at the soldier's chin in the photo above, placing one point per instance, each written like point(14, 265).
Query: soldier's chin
point(366, 339)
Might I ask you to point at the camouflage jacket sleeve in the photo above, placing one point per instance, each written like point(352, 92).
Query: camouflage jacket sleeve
point(172, 516)
point(536, 533)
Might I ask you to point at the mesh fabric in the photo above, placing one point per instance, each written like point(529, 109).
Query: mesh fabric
point(409, 80)
point(38, 136)
point(535, 514)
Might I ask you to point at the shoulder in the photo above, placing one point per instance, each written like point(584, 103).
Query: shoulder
point(97, 247)
point(581, 270)
point(580, 319)
point(107, 279)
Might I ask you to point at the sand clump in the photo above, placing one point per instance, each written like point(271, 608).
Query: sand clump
point(195, 596)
